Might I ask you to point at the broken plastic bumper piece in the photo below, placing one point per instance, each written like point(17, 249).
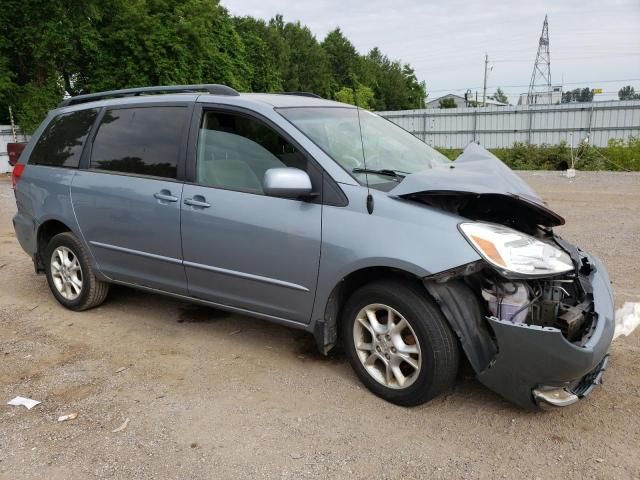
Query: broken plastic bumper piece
point(565, 396)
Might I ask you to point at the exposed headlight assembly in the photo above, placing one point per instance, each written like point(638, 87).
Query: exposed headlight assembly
point(515, 254)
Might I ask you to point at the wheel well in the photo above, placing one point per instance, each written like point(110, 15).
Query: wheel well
point(327, 331)
point(46, 232)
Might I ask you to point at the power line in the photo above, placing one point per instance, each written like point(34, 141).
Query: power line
point(518, 86)
point(564, 59)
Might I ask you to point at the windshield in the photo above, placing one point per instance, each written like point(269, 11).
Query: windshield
point(383, 146)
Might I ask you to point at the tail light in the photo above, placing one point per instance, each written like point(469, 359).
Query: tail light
point(17, 172)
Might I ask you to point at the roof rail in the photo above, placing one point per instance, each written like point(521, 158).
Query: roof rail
point(301, 94)
point(213, 88)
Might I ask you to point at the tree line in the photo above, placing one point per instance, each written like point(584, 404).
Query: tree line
point(587, 94)
point(81, 46)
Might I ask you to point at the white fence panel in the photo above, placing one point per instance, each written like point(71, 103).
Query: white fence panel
point(498, 127)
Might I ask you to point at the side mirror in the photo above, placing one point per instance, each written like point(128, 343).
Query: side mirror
point(287, 182)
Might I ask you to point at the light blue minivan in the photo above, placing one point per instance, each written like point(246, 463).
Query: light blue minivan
point(323, 217)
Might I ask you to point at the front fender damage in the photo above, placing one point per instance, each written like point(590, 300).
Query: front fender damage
point(461, 307)
point(559, 347)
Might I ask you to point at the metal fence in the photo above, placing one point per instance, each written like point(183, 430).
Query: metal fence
point(6, 136)
point(496, 127)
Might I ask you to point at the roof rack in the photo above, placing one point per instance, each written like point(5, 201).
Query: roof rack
point(301, 94)
point(213, 88)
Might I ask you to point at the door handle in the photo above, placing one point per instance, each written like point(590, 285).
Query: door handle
point(197, 201)
point(165, 196)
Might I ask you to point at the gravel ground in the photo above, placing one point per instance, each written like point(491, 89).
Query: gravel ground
point(212, 395)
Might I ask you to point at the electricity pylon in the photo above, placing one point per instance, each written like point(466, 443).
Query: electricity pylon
point(541, 76)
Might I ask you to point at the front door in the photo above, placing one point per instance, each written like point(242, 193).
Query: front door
point(128, 201)
point(242, 248)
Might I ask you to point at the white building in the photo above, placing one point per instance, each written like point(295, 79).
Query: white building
point(552, 97)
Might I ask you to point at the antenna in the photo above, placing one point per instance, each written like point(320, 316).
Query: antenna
point(541, 76)
point(364, 162)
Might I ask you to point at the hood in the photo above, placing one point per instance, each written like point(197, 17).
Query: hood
point(478, 185)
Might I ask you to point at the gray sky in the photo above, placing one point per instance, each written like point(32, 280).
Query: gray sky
point(591, 42)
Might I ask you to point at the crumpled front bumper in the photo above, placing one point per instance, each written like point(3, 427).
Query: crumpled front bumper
point(533, 359)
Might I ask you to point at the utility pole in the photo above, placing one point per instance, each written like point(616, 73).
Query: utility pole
point(484, 88)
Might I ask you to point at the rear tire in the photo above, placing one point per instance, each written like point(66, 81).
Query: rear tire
point(399, 343)
point(71, 278)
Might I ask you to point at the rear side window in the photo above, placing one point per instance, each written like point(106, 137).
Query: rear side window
point(141, 141)
point(60, 145)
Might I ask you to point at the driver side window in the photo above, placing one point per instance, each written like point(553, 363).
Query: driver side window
point(235, 151)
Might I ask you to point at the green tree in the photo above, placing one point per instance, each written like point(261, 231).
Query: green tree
point(578, 95)
point(343, 59)
point(586, 95)
point(49, 49)
point(165, 42)
point(362, 96)
point(306, 68)
point(417, 91)
point(264, 68)
point(41, 46)
point(395, 85)
point(499, 96)
point(447, 103)
point(628, 93)
point(82, 46)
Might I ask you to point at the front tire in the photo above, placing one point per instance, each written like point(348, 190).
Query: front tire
point(398, 342)
point(70, 275)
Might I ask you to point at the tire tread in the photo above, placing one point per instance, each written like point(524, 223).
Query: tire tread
point(445, 350)
point(98, 289)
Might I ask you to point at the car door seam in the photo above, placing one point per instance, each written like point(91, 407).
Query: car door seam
point(75, 217)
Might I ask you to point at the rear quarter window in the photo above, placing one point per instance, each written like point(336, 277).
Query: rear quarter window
point(61, 143)
point(140, 141)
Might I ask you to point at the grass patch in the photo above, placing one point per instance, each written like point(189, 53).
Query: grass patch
point(618, 155)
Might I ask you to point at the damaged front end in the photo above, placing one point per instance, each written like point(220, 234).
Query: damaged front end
point(536, 342)
point(535, 316)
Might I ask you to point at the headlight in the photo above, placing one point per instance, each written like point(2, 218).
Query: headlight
point(513, 252)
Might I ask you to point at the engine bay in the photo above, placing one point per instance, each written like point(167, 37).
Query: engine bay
point(558, 303)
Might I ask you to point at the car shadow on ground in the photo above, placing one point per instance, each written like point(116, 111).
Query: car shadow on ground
point(298, 345)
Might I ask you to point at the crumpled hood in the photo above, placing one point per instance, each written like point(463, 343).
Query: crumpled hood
point(479, 176)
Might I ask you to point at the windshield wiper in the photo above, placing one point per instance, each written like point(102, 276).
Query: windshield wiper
point(383, 171)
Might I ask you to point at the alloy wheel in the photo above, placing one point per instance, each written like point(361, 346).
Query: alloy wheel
point(387, 346)
point(66, 273)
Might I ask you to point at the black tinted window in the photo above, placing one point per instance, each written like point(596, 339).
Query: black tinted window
point(235, 151)
point(143, 141)
point(61, 143)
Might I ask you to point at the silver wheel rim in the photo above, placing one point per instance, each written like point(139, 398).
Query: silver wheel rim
point(66, 273)
point(387, 346)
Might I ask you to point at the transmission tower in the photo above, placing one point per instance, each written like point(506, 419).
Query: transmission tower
point(541, 76)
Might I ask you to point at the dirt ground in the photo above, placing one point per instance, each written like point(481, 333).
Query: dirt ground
point(213, 395)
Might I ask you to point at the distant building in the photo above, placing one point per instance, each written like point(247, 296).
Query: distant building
point(462, 103)
point(552, 97)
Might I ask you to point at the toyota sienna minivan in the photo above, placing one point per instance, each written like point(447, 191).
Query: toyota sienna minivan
point(319, 216)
